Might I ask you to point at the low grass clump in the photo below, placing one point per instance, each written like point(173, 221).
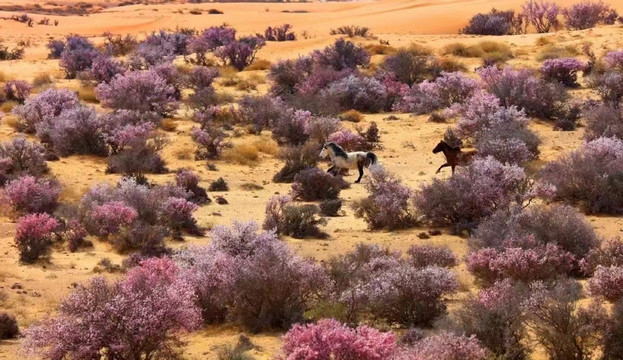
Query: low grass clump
point(484, 49)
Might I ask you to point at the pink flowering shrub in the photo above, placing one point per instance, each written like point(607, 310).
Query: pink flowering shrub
point(430, 255)
point(525, 264)
point(56, 48)
point(200, 80)
point(589, 176)
point(607, 282)
point(612, 346)
point(588, 13)
point(44, 107)
point(609, 254)
point(604, 121)
point(21, 157)
point(494, 317)
point(314, 184)
point(298, 221)
point(34, 236)
point(179, 215)
point(459, 201)
point(161, 47)
point(563, 70)
point(28, 195)
point(408, 295)
point(328, 339)
point(445, 91)
point(210, 142)
point(110, 218)
point(291, 127)
point(609, 86)
point(541, 14)
point(208, 41)
point(240, 53)
point(135, 151)
point(410, 67)
point(389, 204)
point(261, 111)
point(444, 346)
point(320, 129)
point(141, 316)
point(16, 90)
point(143, 91)
point(348, 140)
point(288, 74)
point(558, 225)
point(341, 55)
point(536, 97)
point(279, 33)
point(75, 234)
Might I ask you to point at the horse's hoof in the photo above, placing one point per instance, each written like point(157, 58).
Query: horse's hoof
point(357, 181)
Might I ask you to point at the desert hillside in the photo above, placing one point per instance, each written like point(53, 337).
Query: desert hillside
point(33, 291)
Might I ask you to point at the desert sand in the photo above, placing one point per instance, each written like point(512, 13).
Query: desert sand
point(406, 142)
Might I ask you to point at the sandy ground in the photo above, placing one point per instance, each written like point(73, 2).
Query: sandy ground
point(407, 142)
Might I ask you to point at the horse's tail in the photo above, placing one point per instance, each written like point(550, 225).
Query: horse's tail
point(371, 159)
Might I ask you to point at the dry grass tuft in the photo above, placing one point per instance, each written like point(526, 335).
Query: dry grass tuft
point(258, 64)
point(87, 93)
point(557, 52)
point(380, 49)
point(484, 49)
point(351, 116)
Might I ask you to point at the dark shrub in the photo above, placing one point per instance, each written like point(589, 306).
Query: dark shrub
point(495, 317)
point(520, 88)
point(330, 207)
point(75, 131)
point(56, 48)
point(77, 56)
point(342, 55)
point(320, 128)
point(612, 346)
point(16, 90)
point(219, 185)
point(564, 70)
point(21, 157)
point(371, 137)
point(541, 14)
point(34, 236)
point(189, 181)
point(29, 195)
point(457, 201)
point(557, 224)
point(297, 159)
point(287, 74)
point(609, 86)
point(260, 111)
point(200, 80)
point(556, 322)
point(119, 45)
point(279, 33)
point(610, 254)
point(298, 221)
point(136, 151)
point(240, 53)
point(411, 67)
point(352, 31)
point(590, 176)
point(140, 237)
point(494, 23)
point(291, 127)
point(8, 326)
point(587, 14)
point(430, 255)
point(314, 184)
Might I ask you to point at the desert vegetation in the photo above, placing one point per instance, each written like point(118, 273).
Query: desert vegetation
point(167, 188)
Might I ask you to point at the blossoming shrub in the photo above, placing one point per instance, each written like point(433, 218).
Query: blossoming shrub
point(446, 90)
point(298, 221)
point(28, 195)
point(607, 282)
point(34, 236)
point(44, 107)
point(587, 14)
point(21, 157)
point(314, 184)
point(541, 14)
point(563, 70)
point(143, 315)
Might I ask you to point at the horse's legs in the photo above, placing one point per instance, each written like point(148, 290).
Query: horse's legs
point(453, 166)
point(360, 167)
point(332, 170)
point(443, 166)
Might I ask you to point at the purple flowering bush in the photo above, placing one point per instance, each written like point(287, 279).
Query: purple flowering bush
point(240, 53)
point(142, 315)
point(279, 33)
point(329, 339)
point(445, 91)
point(16, 90)
point(409, 67)
point(56, 48)
point(607, 282)
point(189, 181)
point(536, 97)
point(21, 157)
point(541, 14)
point(320, 128)
point(614, 60)
point(444, 346)
point(161, 47)
point(109, 218)
point(261, 111)
point(79, 130)
point(28, 195)
point(77, 56)
point(286, 75)
point(34, 236)
point(588, 13)
point(210, 40)
point(200, 80)
point(589, 176)
point(429, 255)
point(457, 201)
point(210, 142)
point(135, 151)
point(44, 107)
point(314, 184)
point(609, 254)
point(299, 221)
point(564, 70)
point(359, 93)
point(494, 22)
point(291, 127)
point(348, 140)
point(389, 204)
point(609, 86)
point(144, 91)
point(105, 68)
point(342, 55)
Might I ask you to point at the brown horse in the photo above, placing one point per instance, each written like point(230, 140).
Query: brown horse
point(454, 156)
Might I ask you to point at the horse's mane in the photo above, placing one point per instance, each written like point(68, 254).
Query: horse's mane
point(337, 150)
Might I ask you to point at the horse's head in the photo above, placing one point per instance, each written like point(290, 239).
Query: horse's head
point(442, 145)
point(325, 150)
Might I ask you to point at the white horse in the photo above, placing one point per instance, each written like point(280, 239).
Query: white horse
point(340, 159)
